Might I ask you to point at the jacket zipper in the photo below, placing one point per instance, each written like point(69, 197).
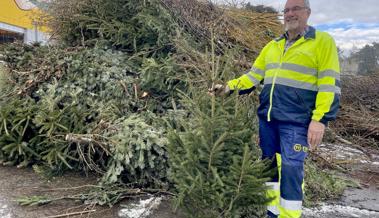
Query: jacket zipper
point(273, 84)
point(298, 42)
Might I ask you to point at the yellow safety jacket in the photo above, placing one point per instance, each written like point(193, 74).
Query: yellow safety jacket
point(300, 84)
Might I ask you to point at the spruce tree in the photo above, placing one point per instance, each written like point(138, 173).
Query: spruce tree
point(214, 158)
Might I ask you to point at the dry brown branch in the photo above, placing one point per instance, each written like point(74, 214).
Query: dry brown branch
point(358, 119)
point(329, 164)
point(93, 143)
point(233, 26)
point(67, 188)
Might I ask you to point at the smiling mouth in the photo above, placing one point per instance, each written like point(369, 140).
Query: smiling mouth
point(291, 20)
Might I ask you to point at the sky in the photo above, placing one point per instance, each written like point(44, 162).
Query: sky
point(352, 23)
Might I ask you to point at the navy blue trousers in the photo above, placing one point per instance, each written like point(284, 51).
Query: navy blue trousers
point(289, 142)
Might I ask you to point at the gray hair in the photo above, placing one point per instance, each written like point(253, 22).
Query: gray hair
point(306, 4)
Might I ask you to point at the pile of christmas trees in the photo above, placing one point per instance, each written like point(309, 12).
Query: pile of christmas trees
point(358, 120)
point(122, 92)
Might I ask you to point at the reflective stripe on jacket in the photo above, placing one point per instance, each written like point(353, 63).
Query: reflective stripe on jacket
point(300, 84)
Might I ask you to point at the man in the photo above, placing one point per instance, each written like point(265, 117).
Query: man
point(301, 93)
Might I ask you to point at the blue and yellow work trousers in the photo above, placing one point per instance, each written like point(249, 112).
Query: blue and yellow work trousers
point(286, 144)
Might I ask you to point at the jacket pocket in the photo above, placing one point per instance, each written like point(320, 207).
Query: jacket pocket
point(264, 96)
point(307, 58)
point(293, 144)
point(302, 102)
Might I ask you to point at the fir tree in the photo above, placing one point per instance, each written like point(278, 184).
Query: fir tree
point(214, 160)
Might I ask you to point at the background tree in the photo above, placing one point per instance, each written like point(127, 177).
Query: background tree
point(368, 59)
point(260, 8)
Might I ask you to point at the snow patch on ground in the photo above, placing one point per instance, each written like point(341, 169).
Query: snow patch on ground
point(346, 211)
point(143, 209)
point(343, 153)
point(342, 149)
point(4, 211)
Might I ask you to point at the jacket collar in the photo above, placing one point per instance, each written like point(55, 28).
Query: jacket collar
point(310, 33)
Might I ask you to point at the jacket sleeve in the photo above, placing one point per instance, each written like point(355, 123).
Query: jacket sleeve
point(246, 83)
point(328, 82)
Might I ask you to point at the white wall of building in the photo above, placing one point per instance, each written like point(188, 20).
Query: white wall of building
point(33, 35)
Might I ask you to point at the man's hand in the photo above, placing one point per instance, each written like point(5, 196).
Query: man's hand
point(315, 134)
point(219, 90)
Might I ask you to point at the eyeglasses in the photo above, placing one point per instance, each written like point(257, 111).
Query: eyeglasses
point(294, 9)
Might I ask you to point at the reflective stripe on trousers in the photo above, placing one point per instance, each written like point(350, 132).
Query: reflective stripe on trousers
point(273, 192)
point(280, 207)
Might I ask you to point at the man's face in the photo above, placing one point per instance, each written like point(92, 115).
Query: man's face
point(295, 15)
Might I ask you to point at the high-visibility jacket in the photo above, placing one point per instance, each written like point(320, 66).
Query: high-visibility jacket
point(300, 84)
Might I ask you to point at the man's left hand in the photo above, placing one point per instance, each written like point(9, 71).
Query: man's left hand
point(315, 134)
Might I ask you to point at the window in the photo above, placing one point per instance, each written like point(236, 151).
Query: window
point(7, 37)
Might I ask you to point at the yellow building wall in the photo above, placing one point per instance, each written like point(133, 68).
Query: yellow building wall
point(11, 14)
